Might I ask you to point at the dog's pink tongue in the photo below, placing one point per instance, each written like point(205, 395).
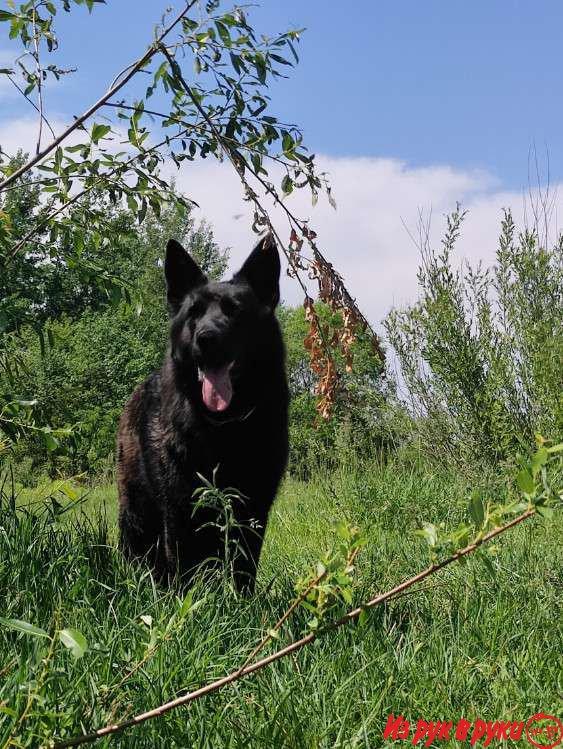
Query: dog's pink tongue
point(216, 389)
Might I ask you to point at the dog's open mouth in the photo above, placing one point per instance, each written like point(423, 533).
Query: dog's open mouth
point(216, 387)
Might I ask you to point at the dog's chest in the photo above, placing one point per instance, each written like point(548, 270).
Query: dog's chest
point(228, 450)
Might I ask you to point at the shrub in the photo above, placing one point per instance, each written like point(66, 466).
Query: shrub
point(481, 351)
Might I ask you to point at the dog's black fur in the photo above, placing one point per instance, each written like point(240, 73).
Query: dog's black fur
point(168, 434)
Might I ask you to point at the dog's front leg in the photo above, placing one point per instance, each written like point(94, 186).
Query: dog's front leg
point(170, 539)
point(177, 525)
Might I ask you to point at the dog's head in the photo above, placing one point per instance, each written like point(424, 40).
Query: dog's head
point(218, 327)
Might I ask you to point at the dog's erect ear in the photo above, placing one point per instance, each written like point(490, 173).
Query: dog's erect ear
point(182, 275)
point(261, 271)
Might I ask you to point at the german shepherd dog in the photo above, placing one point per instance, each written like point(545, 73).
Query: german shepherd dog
point(218, 409)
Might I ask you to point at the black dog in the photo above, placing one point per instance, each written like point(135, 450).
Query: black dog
point(220, 402)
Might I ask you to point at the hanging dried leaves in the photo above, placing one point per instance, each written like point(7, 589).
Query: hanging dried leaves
point(324, 342)
point(322, 361)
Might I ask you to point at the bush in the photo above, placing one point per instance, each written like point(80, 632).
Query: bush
point(481, 351)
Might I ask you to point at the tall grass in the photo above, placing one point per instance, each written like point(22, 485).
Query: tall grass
point(480, 640)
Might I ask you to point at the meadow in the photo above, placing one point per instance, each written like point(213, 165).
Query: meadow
point(478, 640)
point(86, 638)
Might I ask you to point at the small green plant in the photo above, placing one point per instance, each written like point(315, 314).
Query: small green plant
point(220, 506)
point(332, 580)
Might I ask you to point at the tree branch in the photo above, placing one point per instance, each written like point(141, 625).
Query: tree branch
point(294, 646)
point(39, 73)
point(294, 221)
point(141, 62)
point(33, 104)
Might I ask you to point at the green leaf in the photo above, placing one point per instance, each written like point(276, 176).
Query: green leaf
point(51, 442)
point(545, 512)
point(69, 491)
point(429, 532)
point(539, 459)
point(5, 16)
point(187, 603)
point(189, 24)
point(132, 203)
point(223, 33)
point(288, 144)
point(287, 185)
point(26, 627)
point(526, 482)
point(260, 65)
point(75, 641)
point(99, 131)
point(477, 510)
point(280, 59)
point(489, 565)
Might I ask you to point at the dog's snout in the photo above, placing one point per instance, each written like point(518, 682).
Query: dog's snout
point(208, 342)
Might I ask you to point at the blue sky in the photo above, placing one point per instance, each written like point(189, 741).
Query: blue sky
point(410, 105)
point(472, 85)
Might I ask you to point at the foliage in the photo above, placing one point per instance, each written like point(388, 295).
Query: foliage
point(481, 351)
point(219, 507)
point(225, 113)
point(331, 583)
point(534, 489)
point(233, 68)
point(79, 369)
point(82, 370)
point(366, 417)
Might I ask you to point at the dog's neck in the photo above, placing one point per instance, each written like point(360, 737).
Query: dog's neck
point(221, 422)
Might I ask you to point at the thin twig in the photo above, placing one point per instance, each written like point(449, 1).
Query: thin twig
point(298, 601)
point(294, 646)
point(39, 73)
point(141, 62)
point(34, 105)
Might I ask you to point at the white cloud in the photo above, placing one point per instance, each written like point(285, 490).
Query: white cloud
point(21, 133)
point(365, 238)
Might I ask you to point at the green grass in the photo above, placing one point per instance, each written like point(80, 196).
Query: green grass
point(480, 641)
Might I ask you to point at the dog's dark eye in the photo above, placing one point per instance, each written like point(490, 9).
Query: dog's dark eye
point(228, 307)
point(196, 309)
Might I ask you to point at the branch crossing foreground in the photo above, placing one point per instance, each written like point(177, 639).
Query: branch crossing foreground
point(247, 670)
